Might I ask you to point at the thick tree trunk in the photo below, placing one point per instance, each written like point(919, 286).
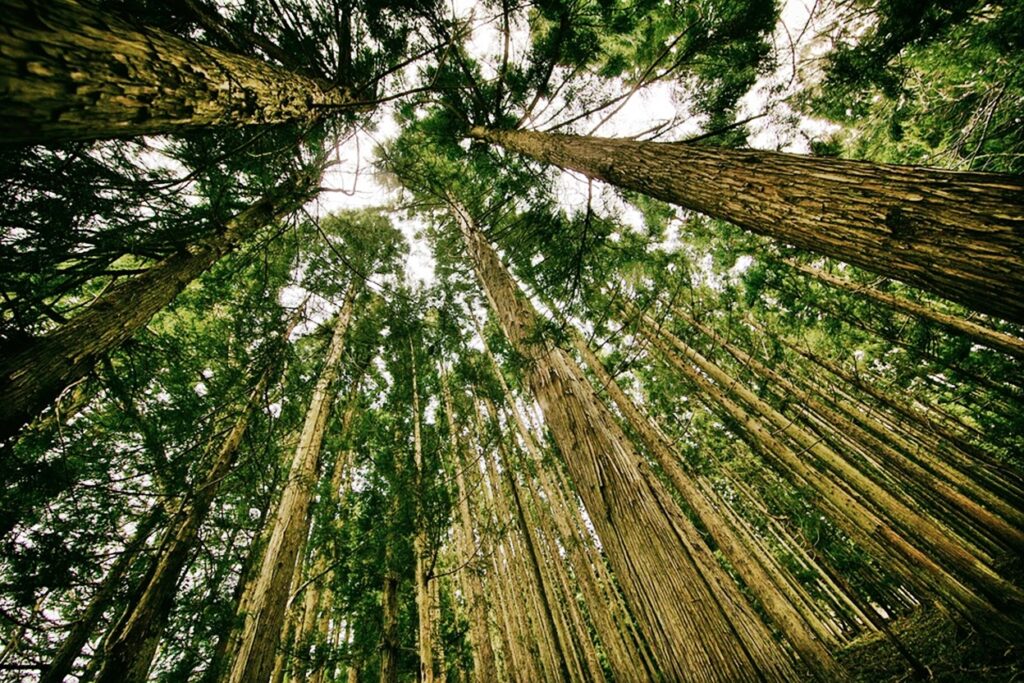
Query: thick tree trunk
point(254, 657)
point(69, 72)
point(986, 336)
point(85, 625)
point(761, 581)
point(128, 655)
point(957, 235)
point(32, 379)
point(674, 588)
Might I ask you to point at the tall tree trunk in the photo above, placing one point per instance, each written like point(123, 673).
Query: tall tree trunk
point(128, 655)
point(69, 72)
point(986, 336)
point(424, 605)
point(85, 625)
point(254, 657)
point(32, 379)
point(390, 644)
point(958, 235)
point(697, 629)
point(765, 586)
point(484, 664)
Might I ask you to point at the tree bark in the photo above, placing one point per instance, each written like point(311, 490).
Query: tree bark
point(254, 657)
point(695, 632)
point(986, 336)
point(69, 72)
point(33, 378)
point(957, 235)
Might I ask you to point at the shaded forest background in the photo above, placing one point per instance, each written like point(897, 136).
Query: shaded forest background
point(712, 373)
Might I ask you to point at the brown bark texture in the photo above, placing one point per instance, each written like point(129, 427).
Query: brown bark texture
point(958, 235)
point(697, 629)
point(70, 72)
point(35, 376)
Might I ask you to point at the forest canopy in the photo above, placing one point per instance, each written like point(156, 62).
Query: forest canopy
point(496, 341)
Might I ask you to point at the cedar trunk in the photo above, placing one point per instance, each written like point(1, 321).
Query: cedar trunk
point(68, 72)
point(33, 378)
point(958, 235)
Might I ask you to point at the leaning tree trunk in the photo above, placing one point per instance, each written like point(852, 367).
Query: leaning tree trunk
point(986, 336)
point(128, 655)
point(33, 378)
point(257, 645)
point(698, 625)
point(69, 72)
point(958, 235)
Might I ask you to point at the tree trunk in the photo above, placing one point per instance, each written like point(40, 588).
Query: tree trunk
point(85, 624)
point(424, 605)
point(986, 336)
point(957, 235)
point(484, 664)
point(32, 379)
point(671, 585)
point(389, 644)
point(68, 72)
point(254, 657)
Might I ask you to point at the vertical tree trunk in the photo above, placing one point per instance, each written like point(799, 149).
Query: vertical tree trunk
point(85, 625)
point(424, 606)
point(33, 378)
point(389, 644)
point(128, 655)
point(254, 657)
point(484, 664)
point(695, 632)
point(68, 72)
point(958, 235)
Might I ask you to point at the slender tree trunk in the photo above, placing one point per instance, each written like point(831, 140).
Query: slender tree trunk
point(33, 378)
point(254, 657)
point(672, 586)
point(85, 625)
point(986, 336)
point(129, 653)
point(958, 235)
point(389, 646)
point(69, 72)
point(424, 608)
point(484, 663)
point(758, 578)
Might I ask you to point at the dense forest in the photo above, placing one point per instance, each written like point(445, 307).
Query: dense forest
point(555, 340)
